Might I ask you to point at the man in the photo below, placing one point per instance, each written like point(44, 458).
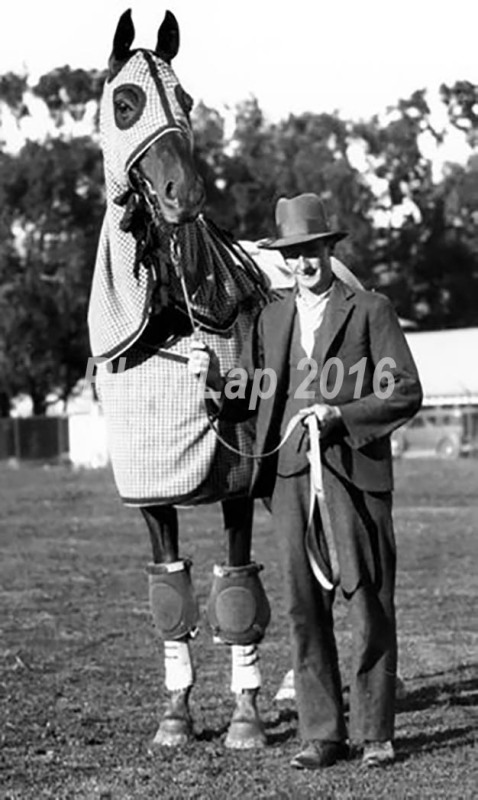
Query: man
point(340, 369)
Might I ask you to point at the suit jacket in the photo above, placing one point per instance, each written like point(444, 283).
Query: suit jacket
point(362, 331)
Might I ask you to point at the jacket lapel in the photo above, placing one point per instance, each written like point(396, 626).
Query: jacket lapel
point(341, 303)
point(278, 326)
point(278, 334)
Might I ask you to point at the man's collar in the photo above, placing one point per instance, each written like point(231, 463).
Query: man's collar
point(309, 299)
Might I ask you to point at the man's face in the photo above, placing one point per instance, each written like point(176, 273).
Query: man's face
point(310, 263)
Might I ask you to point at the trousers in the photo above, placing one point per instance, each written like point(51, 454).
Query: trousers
point(310, 611)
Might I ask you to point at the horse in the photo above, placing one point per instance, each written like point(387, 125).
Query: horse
point(165, 276)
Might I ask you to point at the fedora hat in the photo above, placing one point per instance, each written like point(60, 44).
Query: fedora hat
point(298, 220)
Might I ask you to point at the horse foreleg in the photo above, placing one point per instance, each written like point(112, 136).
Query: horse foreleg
point(239, 612)
point(162, 522)
point(175, 614)
point(238, 516)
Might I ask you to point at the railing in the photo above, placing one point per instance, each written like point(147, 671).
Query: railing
point(34, 438)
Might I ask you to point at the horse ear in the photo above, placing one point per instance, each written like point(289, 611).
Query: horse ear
point(167, 45)
point(123, 40)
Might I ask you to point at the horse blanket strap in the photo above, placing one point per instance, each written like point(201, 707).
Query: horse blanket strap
point(171, 356)
point(324, 565)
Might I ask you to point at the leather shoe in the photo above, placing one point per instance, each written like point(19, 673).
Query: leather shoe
point(317, 755)
point(378, 754)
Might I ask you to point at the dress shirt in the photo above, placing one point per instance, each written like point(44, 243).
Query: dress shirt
point(311, 309)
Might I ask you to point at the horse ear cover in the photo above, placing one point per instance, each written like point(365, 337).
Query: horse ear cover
point(238, 610)
point(167, 44)
point(173, 604)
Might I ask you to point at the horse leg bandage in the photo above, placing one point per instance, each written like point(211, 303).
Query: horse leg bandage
point(172, 600)
point(245, 668)
point(178, 666)
point(238, 610)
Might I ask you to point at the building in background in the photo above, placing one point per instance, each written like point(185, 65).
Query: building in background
point(447, 426)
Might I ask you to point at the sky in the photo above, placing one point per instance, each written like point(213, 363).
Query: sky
point(354, 56)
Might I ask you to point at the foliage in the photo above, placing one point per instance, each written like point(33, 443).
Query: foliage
point(53, 207)
point(428, 263)
point(12, 91)
point(461, 101)
point(412, 236)
point(67, 92)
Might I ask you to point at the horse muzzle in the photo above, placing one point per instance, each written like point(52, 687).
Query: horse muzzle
point(169, 168)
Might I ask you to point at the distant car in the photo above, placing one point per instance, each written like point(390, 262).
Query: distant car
point(432, 432)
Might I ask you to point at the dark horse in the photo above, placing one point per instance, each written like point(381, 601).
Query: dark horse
point(164, 276)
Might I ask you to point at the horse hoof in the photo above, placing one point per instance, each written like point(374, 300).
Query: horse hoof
point(172, 733)
point(176, 727)
point(246, 730)
point(245, 736)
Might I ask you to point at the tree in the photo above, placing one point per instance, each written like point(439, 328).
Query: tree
point(411, 236)
point(315, 158)
point(68, 93)
point(461, 101)
point(241, 172)
point(424, 258)
point(404, 239)
point(210, 147)
point(305, 153)
point(53, 193)
point(51, 212)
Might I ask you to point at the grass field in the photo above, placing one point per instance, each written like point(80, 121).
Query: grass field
point(81, 674)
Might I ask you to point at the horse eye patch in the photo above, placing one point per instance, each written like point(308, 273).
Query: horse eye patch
point(129, 101)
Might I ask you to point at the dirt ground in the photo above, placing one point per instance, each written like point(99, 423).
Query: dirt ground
point(81, 673)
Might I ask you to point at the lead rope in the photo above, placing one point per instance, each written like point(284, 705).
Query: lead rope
point(317, 494)
point(175, 255)
point(177, 264)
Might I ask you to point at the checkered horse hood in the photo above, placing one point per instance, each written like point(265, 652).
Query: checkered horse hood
point(121, 295)
point(132, 279)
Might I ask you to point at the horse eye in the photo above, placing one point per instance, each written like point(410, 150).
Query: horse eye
point(129, 101)
point(122, 107)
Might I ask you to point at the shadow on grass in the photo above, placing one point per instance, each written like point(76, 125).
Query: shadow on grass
point(440, 740)
point(286, 716)
point(444, 690)
point(450, 690)
point(211, 734)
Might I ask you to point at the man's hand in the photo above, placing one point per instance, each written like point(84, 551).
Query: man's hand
point(204, 363)
point(328, 417)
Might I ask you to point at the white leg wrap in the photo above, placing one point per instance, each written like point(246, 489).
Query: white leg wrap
point(178, 667)
point(245, 668)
